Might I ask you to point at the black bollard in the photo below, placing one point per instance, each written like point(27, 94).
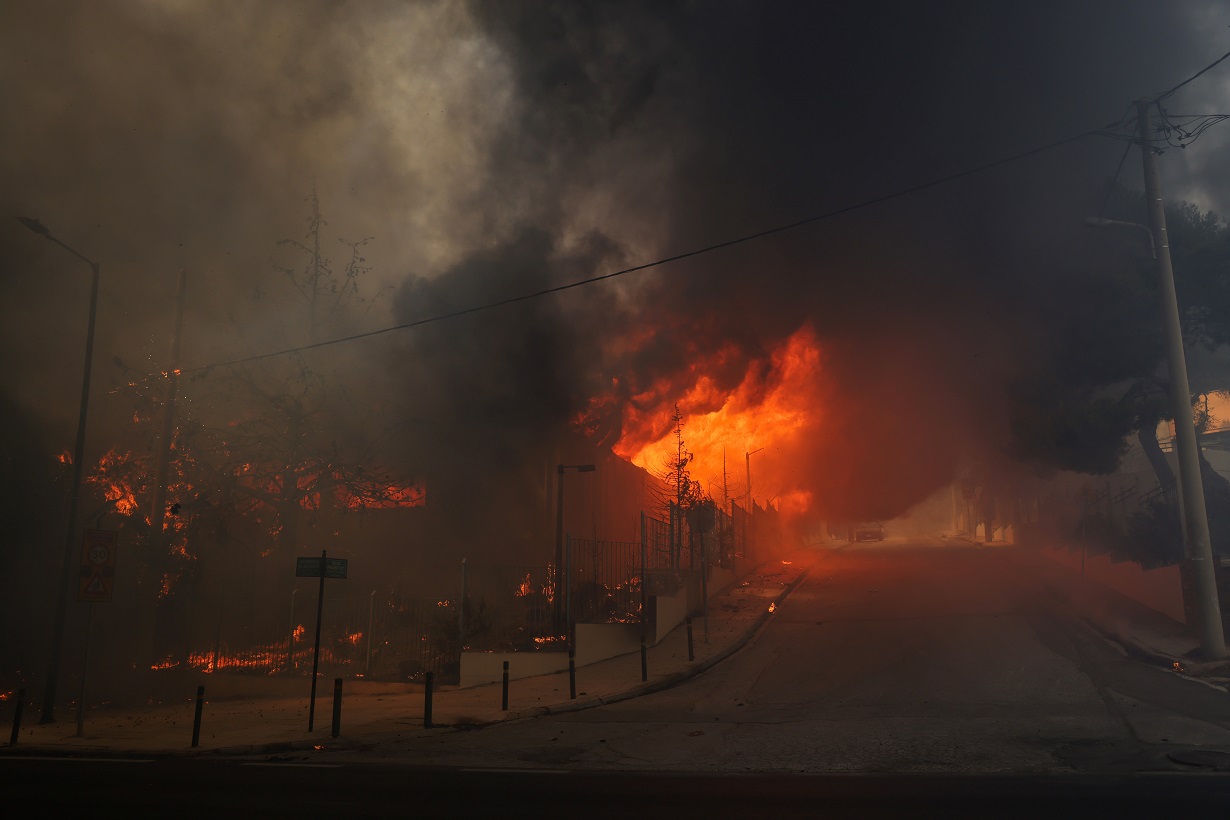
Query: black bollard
point(196, 720)
point(19, 707)
point(337, 706)
point(691, 654)
point(427, 700)
point(572, 674)
point(644, 661)
point(504, 697)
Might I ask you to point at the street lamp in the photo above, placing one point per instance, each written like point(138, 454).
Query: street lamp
point(74, 494)
point(748, 463)
point(1095, 222)
point(751, 505)
point(559, 527)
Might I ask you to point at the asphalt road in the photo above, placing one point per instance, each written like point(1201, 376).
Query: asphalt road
point(890, 658)
point(900, 680)
point(211, 788)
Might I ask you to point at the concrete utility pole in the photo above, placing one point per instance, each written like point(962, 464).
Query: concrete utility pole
point(1198, 542)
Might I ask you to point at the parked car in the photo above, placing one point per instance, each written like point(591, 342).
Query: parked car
point(869, 531)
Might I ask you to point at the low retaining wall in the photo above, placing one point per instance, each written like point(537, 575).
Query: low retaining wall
point(668, 612)
point(597, 642)
point(478, 668)
point(1160, 589)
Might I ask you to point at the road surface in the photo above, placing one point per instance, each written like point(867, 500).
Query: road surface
point(890, 658)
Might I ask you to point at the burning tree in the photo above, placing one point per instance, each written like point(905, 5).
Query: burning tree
point(251, 455)
point(684, 491)
point(681, 492)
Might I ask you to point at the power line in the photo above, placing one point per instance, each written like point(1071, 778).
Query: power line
point(1194, 128)
point(1110, 189)
point(1161, 97)
point(866, 203)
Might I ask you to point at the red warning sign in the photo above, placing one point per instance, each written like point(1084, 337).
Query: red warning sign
point(97, 565)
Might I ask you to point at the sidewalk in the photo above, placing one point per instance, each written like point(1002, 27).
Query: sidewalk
point(255, 715)
point(1143, 632)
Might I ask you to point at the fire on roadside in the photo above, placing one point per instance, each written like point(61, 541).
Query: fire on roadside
point(775, 401)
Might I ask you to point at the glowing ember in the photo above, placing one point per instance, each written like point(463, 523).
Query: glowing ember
point(115, 475)
point(773, 607)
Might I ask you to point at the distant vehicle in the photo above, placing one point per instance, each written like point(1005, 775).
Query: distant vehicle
point(869, 531)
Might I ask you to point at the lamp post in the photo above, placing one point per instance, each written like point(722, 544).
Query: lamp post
point(559, 528)
point(1095, 222)
point(748, 463)
point(74, 493)
point(751, 505)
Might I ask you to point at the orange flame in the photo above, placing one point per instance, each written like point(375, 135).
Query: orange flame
point(773, 405)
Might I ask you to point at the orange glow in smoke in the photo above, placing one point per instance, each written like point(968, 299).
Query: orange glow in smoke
point(772, 406)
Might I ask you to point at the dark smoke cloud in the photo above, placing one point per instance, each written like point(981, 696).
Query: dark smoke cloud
point(952, 319)
point(493, 148)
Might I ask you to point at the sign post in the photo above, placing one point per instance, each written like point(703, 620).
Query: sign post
point(322, 568)
point(98, 549)
point(97, 565)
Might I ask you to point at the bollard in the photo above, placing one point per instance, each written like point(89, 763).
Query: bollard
point(196, 721)
point(691, 654)
point(427, 700)
point(572, 674)
point(337, 706)
point(644, 661)
point(19, 707)
point(504, 697)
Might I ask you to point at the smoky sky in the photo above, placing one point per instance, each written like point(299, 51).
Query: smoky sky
point(493, 149)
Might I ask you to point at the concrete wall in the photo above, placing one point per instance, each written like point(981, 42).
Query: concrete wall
point(478, 668)
point(668, 612)
point(597, 642)
point(1160, 589)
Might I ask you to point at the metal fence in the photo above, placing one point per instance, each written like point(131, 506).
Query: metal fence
point(604, 581)
point(382, 637)
point(510, 607)
point(492, 607)
point(412, 636)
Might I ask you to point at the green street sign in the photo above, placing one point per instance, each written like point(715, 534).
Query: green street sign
point(310, 568)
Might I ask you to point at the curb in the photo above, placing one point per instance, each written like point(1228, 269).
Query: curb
point(666, 682)
point(1135, 649)
point(676, 678)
